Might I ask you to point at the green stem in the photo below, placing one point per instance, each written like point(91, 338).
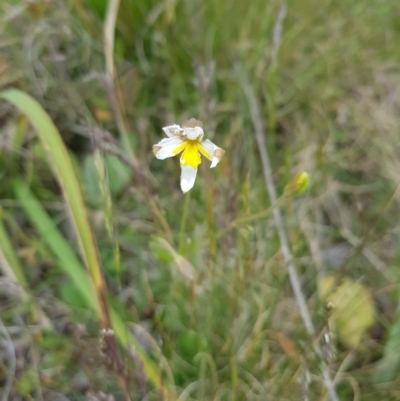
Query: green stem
point(182, 230)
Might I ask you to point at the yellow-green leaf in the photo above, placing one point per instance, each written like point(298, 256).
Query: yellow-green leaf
point(353, 310)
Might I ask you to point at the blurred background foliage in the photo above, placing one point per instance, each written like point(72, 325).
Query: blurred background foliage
point(206, 295)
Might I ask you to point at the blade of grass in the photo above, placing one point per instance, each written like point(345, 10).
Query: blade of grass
point(73, 268)
point(71, 264)
point(12, 268)
point(62, 166)
point(9, 254)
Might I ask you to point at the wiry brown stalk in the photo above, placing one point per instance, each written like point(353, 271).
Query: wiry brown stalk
point(107, 81)
point(110, 349)
point(105, 141)
point(259, 131)
point(294, 278)
point(110, 344)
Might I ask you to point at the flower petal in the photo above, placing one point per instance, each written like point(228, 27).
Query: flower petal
point(211, 151)
point(169, 147)
point(188, 178)
point(193, 133)
point(173, 130)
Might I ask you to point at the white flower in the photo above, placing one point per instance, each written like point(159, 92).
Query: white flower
point(189, 139)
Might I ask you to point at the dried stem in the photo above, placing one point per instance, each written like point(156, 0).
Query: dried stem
point(270, 186)
point(205, 78)
point(277, 36)
point(294, 278)
point(109, 33)
point(106, 142)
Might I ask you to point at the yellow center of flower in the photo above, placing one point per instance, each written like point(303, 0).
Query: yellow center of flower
point(191, 153)
point(191, 156)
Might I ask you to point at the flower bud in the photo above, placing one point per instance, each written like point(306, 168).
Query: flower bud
point(299, 184)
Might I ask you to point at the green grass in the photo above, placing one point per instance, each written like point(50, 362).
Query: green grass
point(331, 108)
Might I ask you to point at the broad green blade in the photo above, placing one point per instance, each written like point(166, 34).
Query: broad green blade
point(63, 168)
point(73, 268)
point(70, 264)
